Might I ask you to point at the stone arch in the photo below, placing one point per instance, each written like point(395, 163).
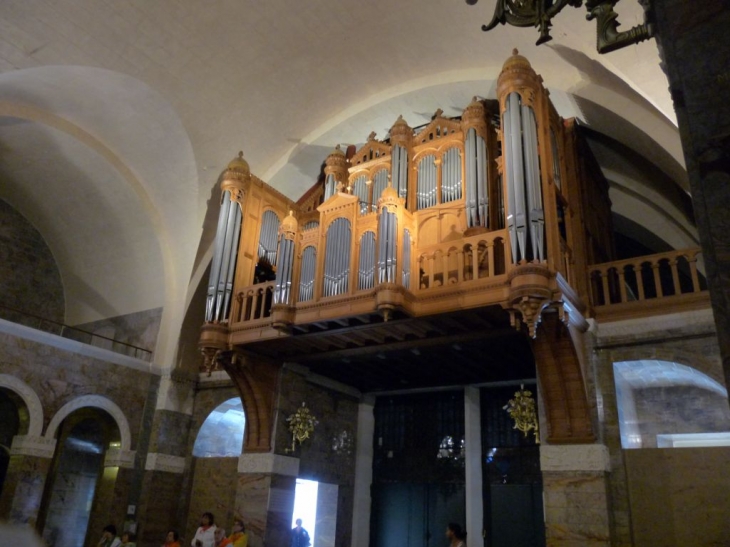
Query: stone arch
point(95, 401)
point(31, 400)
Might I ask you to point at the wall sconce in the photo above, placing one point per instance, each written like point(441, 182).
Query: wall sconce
point(522, 410)
point(301, 426)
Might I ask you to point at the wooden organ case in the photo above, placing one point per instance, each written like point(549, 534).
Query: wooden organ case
point(483, 211)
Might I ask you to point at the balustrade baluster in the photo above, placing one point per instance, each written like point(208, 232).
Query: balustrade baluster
point(475, 261)
point(657, 279)
point(639, 280)
point(622, 283)
point(460, 265)
point(675, 276)
point(445, 268)
point(604, 280)
point(490, 257)
point(693, 272)
point(430, 260)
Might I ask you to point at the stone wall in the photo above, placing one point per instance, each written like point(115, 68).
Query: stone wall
point(678, 497)
point(29, 277)
point(686, 338)
point(319, 459)
point(138, 329)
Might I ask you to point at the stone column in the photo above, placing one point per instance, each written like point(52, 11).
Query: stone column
point(112, 491)
point(692, 38)
point(576, 494)
point(473, 466)
point(265, 497)
point(30, 463)
point(363, 473)
point(160, 495)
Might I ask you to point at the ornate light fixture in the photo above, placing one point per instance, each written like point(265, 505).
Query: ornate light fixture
point(539, 13)
point(301, 426)
point(522, 410)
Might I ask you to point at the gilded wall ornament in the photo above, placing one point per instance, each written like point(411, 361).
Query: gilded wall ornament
point(301, 426)
point(523, 411)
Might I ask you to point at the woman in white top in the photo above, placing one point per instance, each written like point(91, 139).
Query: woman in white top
point(455, 535)
point(205, 535)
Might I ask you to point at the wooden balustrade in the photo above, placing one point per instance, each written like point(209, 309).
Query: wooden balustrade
point(658, 276)
point(254, 303)
point(469, 259)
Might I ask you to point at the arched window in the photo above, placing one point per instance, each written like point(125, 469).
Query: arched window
point(221, 435)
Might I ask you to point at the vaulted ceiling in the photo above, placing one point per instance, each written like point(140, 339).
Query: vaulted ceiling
point(116, 118)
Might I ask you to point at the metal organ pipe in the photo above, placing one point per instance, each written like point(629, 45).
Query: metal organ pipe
point(366, 263)
point(268, 236)
point(380, 182)
point(524, 190)
point(514, 169)
point(406, 270)
point(556, 159)
point(282, 285)
point(220, 284)
point(337, 257)
point(426, 193)
point(399, 170)
point(387, 229)
point(534, 189)
point(451, 176)
point(360, 189)
point(477, 190)
point(306, 279)
point(330, 186)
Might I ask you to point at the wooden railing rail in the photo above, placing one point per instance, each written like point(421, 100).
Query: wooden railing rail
point(660, 275)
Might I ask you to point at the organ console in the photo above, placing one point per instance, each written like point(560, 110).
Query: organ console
point(477, 210)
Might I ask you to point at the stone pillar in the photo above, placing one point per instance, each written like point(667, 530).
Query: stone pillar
point(576, 494)
point(30, 463)
point(160, 495)
point(363, 473)
point(473, 466)
point(692, 39)
point(265, 497)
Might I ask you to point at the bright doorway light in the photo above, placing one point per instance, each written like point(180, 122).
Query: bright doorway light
point(305, 505)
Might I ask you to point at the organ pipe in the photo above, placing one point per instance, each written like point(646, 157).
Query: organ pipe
point(220, 284)
point(282, 285)
point(524, 191)
point(387, 230)
point(330, 186)
point(306, 279)
point(360, 189)
point(426, 187)
point(268, 237)
point(451, 176)
point(406, 270)
point(380, 181)
point(399, 169)
point(337, 257)
point(556, 159)
point(366, 263)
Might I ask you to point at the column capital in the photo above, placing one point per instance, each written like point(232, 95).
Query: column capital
point(31, 445)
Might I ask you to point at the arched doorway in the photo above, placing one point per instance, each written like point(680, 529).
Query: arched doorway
point(218, 445)
point(13, 416)
point(78, 466)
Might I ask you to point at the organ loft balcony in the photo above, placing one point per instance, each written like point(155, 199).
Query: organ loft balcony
point(466, 228)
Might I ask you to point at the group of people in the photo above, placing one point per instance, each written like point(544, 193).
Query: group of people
point(210, 535)
point(207, 535)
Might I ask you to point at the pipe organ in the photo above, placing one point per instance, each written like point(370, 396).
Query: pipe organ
point(485, 202)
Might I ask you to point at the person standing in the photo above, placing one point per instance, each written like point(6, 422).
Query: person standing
point(299, 536)
point(205, 535)
point(455, 535)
